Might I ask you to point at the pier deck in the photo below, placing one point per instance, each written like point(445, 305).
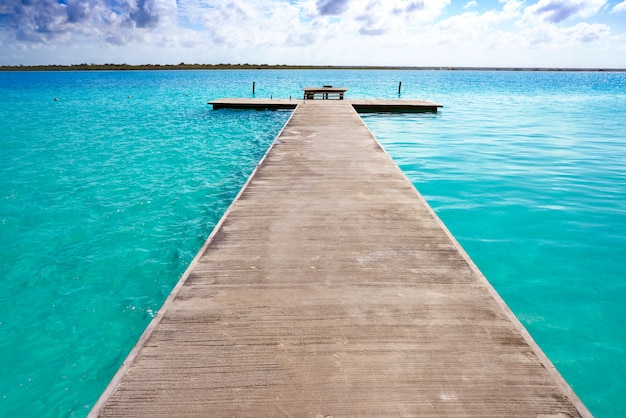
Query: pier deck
point(330, 288)
point(362, 105)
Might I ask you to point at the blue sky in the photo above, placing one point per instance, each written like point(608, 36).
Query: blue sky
point(505, 33)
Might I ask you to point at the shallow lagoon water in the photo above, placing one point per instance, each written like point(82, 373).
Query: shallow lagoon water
point(108, 192)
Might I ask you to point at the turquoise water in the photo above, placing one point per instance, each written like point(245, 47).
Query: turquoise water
point(108, 192)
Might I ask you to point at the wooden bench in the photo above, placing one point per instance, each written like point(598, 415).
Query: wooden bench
point(325, 92)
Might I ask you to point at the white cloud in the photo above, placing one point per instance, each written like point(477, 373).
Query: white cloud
point(331, 7)
point(351, 32)
point(51, 21)
point(620, 7)
point(554, 37)
point(557, 11)
point(236, 23)
point(477, 28)
point(543, 25)
point(384, 16)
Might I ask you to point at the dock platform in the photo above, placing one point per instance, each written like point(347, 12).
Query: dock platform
point(331, 289)
point(361, 106)
point(257, 104)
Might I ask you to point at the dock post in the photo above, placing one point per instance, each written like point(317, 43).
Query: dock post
point(399, 88)
point(253, 83)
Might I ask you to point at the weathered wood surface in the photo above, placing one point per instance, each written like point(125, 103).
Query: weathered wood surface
point(324, 93)
point(361, 105)
point(330, 289)
point(238, 103)
point(365, 105)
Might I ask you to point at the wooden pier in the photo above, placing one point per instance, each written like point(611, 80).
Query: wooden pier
point(361, 106)
point(331, 289)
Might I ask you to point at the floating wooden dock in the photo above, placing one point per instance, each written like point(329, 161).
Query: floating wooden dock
point(362, 106)
point(331, 289)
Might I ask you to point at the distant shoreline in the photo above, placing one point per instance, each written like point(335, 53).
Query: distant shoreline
point(183, 66)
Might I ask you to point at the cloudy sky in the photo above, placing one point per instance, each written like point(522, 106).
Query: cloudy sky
point(508, 33)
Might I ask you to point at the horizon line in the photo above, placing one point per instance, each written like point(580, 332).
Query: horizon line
point(247, 66)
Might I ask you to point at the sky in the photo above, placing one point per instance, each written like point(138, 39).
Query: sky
point(441, 33)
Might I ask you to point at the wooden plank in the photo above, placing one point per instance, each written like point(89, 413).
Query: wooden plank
point(330, 288)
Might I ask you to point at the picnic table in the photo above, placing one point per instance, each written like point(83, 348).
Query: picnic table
point(324, 92)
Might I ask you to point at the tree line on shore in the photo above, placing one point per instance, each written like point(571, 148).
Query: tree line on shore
point(184, 66)
point(181, 66)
